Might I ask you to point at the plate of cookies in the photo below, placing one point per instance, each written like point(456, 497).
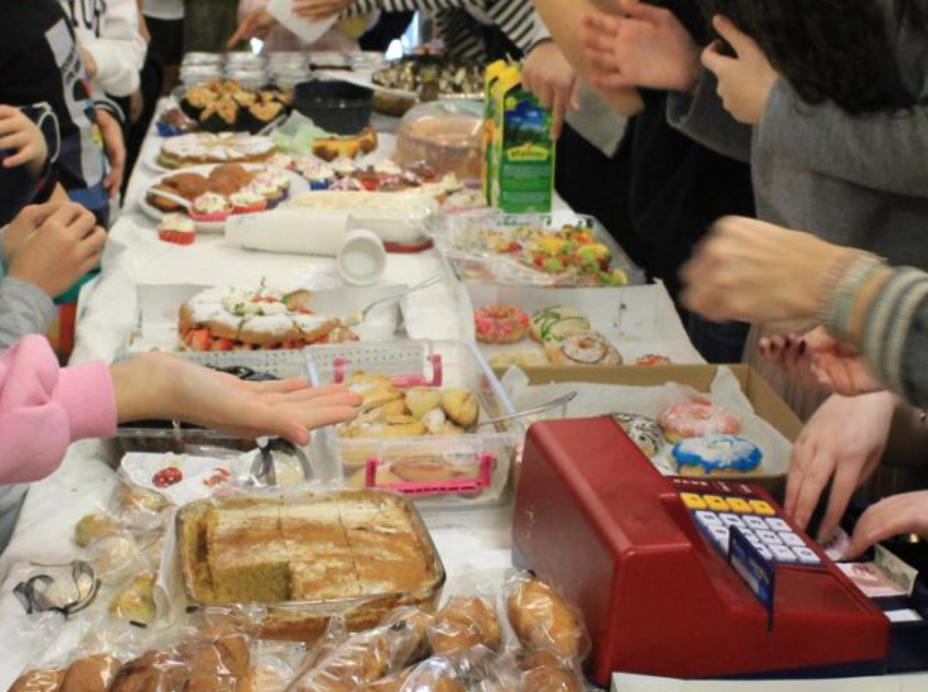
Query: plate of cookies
point(208, 195)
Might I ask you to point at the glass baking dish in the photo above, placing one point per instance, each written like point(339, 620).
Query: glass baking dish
point(306, 620)
point(561, 249)
point(470, 470)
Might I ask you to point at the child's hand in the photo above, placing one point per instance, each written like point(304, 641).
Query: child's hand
point(745, 82)
point(547, 74)
point(899, 514)
point(65, 245)
point(317, 10)
point(19, 134)
point(256, 24)
point(115, 151)
point(648, 47)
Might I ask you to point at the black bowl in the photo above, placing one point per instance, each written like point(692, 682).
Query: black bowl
point(338, 107)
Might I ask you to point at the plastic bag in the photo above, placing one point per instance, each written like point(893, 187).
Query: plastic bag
point(544, 671)
point(543, 620)
point(348, 663)
point(463, 624)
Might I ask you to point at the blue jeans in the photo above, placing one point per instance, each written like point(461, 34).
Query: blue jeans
point(718, 342)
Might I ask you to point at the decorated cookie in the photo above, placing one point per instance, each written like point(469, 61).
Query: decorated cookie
point(700, 456)
point(500, 324)
point(554, 323)
point(645, 432)
point(583, 348)
point(697, 419)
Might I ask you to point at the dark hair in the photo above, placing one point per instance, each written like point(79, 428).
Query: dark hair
point(842, 51)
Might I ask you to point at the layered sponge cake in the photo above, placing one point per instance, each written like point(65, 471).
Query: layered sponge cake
point(305, 548)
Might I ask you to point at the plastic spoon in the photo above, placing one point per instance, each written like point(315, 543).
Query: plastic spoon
point(359, 317)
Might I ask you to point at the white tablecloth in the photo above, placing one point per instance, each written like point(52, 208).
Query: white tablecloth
point(107, 310)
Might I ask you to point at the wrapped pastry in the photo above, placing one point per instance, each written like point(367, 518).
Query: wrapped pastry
point(543, 620)
point(43, 680)
point(91, 674)
point(154, 671)
point(136, 603)
point(217, 664)
point(94, 527)
point(545, 672)
point(460, 406)
point(463, 624)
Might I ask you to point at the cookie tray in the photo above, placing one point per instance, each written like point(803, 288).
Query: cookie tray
point(305, 620)
point(441, 473)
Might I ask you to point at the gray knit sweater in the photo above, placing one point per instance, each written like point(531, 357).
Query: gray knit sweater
point(856, 181)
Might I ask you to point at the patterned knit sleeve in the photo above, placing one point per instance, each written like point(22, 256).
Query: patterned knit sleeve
point(517, 19)
point(360, 7)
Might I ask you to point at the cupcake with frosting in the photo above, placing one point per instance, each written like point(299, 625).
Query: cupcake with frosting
point(247, 201)
point(177, 229)
point(210, 207)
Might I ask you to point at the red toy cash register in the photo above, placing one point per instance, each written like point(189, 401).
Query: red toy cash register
point(652, 564)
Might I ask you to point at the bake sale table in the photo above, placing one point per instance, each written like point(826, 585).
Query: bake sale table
point(107, 311)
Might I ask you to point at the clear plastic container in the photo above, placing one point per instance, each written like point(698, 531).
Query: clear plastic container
point(201, 58)
point(198, 75)
point(252, 78)
point(446, 136)
point(470, 470)
point(564, 250)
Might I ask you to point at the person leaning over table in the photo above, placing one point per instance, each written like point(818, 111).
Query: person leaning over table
point(471, 29)
point(44, 408)
point(871, 348)
point(827, 100)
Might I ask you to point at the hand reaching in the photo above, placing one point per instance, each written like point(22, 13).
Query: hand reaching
point(648, 47)
point(547, 74)
point(899, 514)
point(842, 443)
point(21, 136)
point(318, 10)
point(256, 24)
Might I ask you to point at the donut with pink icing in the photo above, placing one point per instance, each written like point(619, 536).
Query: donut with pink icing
point(698, 418)
point(500, 324)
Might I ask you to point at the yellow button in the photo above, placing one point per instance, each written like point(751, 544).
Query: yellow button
point(762, 507)
point(739, 505)
point(716, 503)
point(692, 501)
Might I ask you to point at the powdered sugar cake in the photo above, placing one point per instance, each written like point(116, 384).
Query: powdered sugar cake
point(308, 548)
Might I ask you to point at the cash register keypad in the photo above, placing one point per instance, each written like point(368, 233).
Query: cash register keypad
point(758, 522)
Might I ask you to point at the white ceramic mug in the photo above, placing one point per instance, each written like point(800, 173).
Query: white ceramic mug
point(362, 258)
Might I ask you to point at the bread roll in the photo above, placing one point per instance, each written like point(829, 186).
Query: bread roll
point(421, 400)
point(463, 624)
point(543, 620)
point(155, 671)
point(38, 681)
point(92, 674)
point(460, 406)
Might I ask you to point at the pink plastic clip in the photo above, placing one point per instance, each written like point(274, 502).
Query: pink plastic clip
point(465, 485)
point(340, 364)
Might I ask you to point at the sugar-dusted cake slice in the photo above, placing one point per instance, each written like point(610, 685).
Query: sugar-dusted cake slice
point(321, 561)
point(247, 555)
point(388, 554)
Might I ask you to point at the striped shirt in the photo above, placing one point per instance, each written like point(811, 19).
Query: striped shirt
point(462, 23)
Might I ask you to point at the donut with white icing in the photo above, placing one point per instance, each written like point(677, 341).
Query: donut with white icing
point(702, 456)
point(265, 319)
point(646, 433)
point(584, 349)
point(553, 323)
point(698, 418)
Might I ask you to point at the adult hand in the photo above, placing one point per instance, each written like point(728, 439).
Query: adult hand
point(839, 366)
point(115, 148)
point(65, 246)
point(753, 271)
point(547, 74)
point(745, 82)
point(843, 443)
point(23, 137)
point(899, 514)
point(162, 386)
point(136, 106)
point(255, 24)
point(317, 10)
point(648, 47)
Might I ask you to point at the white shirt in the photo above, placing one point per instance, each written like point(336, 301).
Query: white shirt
point(109, 31)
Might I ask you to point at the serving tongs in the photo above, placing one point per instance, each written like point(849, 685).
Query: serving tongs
point(33, 594)
point(263, 468)
point(171, 197)
point(360, 316)
point(536, 411)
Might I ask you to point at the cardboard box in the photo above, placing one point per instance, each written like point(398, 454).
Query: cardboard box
point(766, 403)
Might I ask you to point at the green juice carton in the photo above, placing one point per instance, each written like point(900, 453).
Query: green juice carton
point(522, 169)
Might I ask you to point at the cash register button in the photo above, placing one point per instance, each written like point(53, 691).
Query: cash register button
point(692, 501)
point(750, 535)
point(792, 540)
point(764, 552)
point(778, 524)
point(761, 507)
point(739, 505)
point(783, 554)
point(708, 519)
point(731, 520)
point(716, 503)
point(720, 536)
point(806, 556)
point(769, 537)
point(756, 523)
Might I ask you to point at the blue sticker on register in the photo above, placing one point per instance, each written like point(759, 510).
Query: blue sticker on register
point(757, 572)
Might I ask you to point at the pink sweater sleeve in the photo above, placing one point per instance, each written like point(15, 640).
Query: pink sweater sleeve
point(44, 408)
